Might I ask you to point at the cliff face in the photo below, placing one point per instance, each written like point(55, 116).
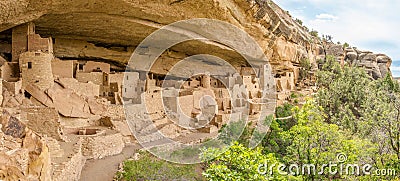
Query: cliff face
point(110, 30)
point(101, 29)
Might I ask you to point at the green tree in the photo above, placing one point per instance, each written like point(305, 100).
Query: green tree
point(345, 45)
point(306, 28)
point(241, 163)
point(235, 130)
point(274, 141)
point(148, 167)
point(342, 93)
point(314, 33)
point(299, 21)
point(284, 116)
point(305, 68)
point(313, 141)
point(369, 108)
point(381, 120)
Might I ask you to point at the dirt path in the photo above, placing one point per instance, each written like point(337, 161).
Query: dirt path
point(105, 169)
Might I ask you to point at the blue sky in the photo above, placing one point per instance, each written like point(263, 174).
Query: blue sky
point(366, 24)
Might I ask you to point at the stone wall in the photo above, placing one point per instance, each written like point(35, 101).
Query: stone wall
point(199, 97)
point(63, 69)
point(116, 112)
point(19, 39)
point(10, 71)
point(95, 77)
point(43, 121)
point(154, 102)
point(185, 105)
point(223, 98)
point(130, 82)
point(252, 85)
point(36, 69)
point(70, 165)
point(37, 43)
point(285, 82)
point(91, 66)
point(13, 87)
point(99, 146)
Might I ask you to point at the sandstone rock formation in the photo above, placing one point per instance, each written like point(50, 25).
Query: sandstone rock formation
point(23, 154)
point(377, 65)
point(110, 30)
point(75, 93)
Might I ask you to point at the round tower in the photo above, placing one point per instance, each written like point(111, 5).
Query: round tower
point(36, 69)
point(206, 81)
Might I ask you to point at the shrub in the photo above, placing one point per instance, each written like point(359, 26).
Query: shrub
point(149, 167)
point(314, 33)
point(305, 67)
point(299, 21)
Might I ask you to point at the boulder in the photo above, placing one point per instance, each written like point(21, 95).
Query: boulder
point(383, 59)
point(68, 103)
point(335, 50)
point(349, 49)
point(39, 95)
point(351, 56)
point(12, 126)
point(384, 69)
point(96, 107)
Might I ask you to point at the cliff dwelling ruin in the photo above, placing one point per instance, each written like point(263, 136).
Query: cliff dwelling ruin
point(76, 106)
point(64, 78)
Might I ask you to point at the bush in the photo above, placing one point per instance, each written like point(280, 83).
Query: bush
point(284, 111)
point(240, 163)
point(299, 21)
point(235, 130)
point(305, 67)
point(149, 167)
point(314, 33)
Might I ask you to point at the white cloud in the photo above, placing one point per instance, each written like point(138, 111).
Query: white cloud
point(368, 24)
point(394, 68)
point(326, 17)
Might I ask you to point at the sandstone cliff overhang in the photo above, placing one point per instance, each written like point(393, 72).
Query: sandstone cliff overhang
point(117, 26)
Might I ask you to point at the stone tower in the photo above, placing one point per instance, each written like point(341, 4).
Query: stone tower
point(36, 69)
point(206, 81)
point(34, 55)
point(267, 81)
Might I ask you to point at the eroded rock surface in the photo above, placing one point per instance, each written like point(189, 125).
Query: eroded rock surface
point(23, 154)
point(78, 100)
